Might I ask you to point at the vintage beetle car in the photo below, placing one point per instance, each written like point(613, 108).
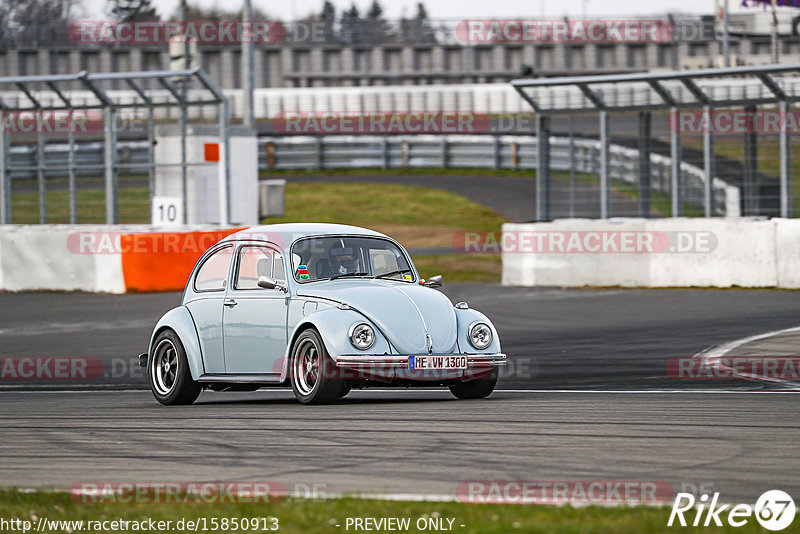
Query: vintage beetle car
point(352, 312)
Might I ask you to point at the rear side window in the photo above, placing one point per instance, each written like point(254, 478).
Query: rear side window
point(213, 273)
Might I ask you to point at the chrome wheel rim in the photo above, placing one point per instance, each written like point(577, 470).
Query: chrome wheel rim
point(306, 367)
point(164, 370)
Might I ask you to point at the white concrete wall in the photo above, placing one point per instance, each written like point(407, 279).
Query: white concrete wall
point(736, 252)
point(49, 257)
point(787, 246)
point(38, 257)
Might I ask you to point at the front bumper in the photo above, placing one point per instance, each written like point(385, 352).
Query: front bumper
point(395, 367)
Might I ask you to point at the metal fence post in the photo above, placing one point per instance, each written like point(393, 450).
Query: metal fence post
point(224, 162)
point(572, 163)
point(73, 206)
point(708, 165)
point(151, 161)
point(645, 173)
point(498, 162)
point(543, 168)
point(604, 164)
point(184, 168)
point(5, 180)
point(675, 166)
point(750, 162)
point(40, 166)
point(786, 162)
point(110, 138)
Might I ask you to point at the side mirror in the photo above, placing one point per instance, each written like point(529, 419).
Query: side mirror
point(269, 283)
point(434, 281)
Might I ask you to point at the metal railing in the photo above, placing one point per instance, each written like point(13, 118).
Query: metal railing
point(62, 110)
point(289, 153)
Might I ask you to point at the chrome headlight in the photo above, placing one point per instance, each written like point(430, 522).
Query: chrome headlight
point(480, 335)
point(362, 336)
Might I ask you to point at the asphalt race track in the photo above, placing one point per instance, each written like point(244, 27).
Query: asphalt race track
point(555, 338)
point(405, 442)
point(623, 417)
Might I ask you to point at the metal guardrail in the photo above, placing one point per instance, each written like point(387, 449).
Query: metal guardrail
point(397, 152)
point(492, 98)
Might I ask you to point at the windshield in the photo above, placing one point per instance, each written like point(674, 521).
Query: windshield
point(325, 258)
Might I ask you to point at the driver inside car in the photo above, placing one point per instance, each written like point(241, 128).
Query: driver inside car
point(343, 261)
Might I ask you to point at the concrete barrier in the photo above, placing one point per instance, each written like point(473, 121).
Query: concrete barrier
point(787, 248)
point(105, 259)
point(747, 252)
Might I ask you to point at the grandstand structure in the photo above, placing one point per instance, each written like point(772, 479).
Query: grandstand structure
point(443, 60)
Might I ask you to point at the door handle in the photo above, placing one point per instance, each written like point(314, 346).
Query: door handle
point(229, 302)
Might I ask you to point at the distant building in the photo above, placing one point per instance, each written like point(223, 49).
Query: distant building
point(304, 64)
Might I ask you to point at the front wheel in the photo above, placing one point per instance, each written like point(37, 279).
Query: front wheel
point(170, 378)
point(312, 370)
point(476, 389)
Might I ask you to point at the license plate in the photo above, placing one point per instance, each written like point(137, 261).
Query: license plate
point(437, 362)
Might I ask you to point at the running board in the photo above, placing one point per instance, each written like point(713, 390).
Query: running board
point(241, 379)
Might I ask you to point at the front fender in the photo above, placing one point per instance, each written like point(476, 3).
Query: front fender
point(465, 318)
point(180, 320)
point(333, 324)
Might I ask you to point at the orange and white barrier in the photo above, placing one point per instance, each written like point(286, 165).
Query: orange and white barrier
point(105, 259)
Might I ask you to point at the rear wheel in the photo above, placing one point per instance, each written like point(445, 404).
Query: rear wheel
point(312, 371)
point(170, 378)
point(476, 389)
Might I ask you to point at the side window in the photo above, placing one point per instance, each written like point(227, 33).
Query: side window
point(383, 261)
point(254, 261)
point(278, 269)
point(213, 274)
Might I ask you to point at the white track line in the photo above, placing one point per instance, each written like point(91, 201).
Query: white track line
point(581, 391)
point(400, 497)
point(714, 356)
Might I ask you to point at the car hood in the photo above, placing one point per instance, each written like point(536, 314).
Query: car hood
point(404, 312)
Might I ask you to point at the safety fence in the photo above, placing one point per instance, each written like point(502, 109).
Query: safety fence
point(578, 161)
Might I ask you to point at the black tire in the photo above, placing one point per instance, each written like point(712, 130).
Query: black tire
point(168, 371)
point(475, 389)
point(312, 371)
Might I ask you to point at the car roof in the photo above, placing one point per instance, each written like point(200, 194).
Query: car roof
point(287, 233)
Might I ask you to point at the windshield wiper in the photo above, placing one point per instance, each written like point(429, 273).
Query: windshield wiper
point(348, 274)
point(392, 273)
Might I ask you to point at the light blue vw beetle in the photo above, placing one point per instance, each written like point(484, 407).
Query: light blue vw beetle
point(323, 308)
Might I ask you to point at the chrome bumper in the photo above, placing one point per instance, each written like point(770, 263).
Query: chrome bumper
point(385, 367)
point(391, 361)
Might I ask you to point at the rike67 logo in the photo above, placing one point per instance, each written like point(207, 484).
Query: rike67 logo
point(774, 510)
